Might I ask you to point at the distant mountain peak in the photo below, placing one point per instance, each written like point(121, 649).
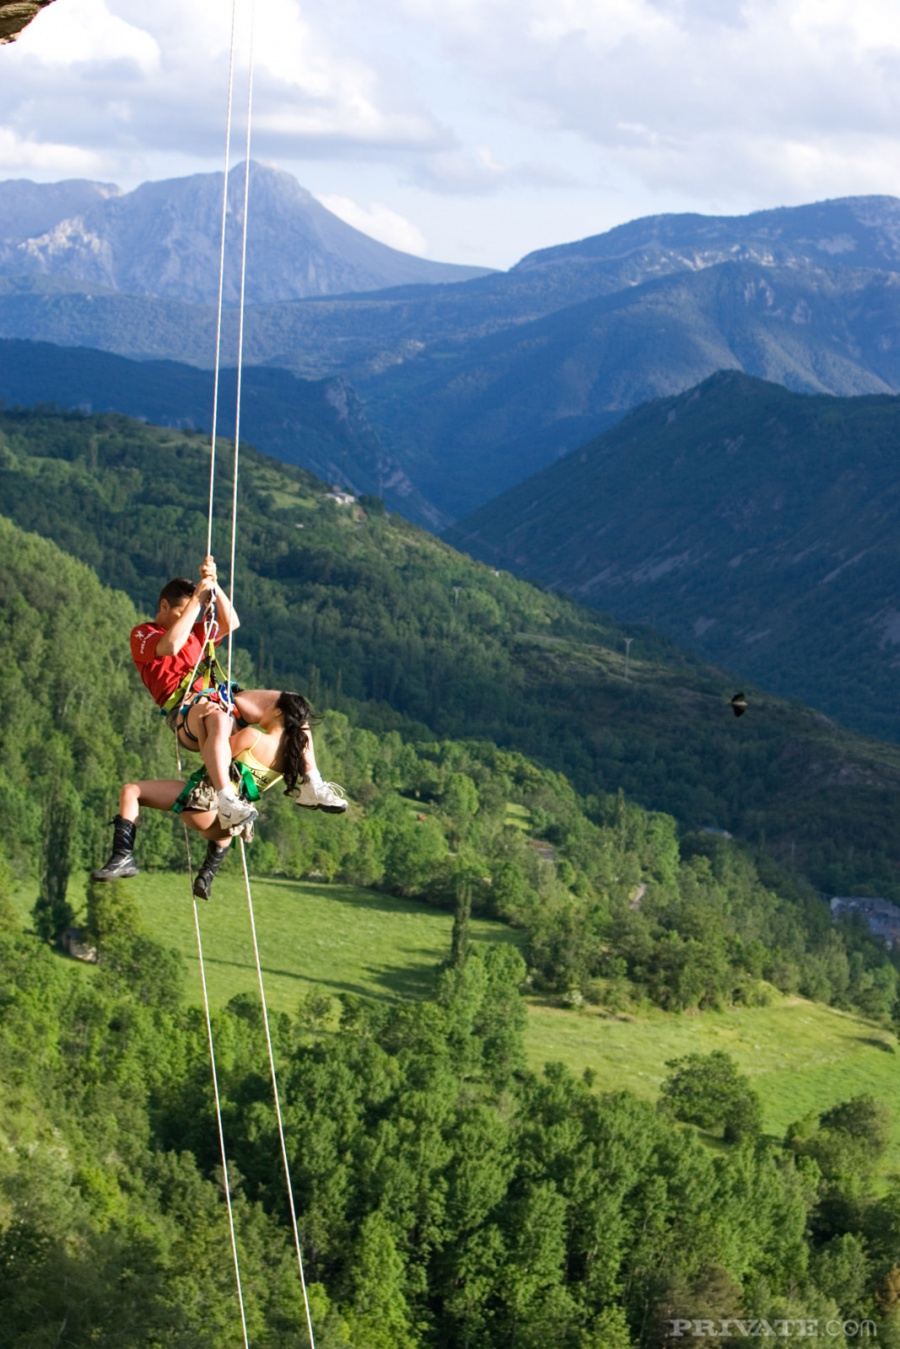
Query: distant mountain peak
point(162, 240)
point(859, 231)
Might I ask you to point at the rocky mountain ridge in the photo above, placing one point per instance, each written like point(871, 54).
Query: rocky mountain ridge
point(474, 385)
point(16, 15)
point(162, 239)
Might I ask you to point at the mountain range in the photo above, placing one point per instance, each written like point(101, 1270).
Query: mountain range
point(472, 385)
point(319, 425)
point(163, 240)
point(751, 524)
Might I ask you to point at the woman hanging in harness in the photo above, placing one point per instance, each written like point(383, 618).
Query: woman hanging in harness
point(275, 750)
point(175, 657)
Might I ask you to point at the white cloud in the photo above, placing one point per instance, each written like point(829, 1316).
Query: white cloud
point(35, 157)
point(673, 89)
point(478, 172)
point(121, 76)
point(380, 222)
point(85, 31)
point(647, 104)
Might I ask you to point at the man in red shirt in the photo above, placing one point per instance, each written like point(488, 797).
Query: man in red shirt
point(166, 652)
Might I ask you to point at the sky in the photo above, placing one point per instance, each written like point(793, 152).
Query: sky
point(470, 131)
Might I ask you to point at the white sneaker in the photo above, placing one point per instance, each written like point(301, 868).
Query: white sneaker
point(233, 811)
point(315, 794)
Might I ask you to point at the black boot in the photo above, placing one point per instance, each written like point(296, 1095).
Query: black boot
point(203, 880)
point(121, 863)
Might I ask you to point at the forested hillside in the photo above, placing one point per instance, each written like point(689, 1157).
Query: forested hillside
point(755, 526)
point(373, 616)
point(449, 821)
point(447, 1197)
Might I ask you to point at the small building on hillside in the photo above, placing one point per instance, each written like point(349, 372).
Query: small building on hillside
point(74, 942)
point(341, 497)
point(880, 916)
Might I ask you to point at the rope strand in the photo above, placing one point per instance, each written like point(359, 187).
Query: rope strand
point(277, 1099)
point(232, 565)
point(220, 305)
point(240, 351)
point(215, 1080)
point(209, 628)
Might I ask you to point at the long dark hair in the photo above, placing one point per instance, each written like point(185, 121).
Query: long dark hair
point(296, 712)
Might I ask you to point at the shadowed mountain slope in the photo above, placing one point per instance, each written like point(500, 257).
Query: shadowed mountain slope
point(474, 385)
point(758, 526)
point(316, 424)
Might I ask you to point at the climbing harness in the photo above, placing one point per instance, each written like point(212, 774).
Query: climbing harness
point(213, 681)
point(197, 795)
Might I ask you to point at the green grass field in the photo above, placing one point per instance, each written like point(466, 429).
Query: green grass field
point(329, 938)
point(800, 1056)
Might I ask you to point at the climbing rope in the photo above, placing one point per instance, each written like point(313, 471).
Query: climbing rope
point(277, 1099)
point(240, 350)
point(209, 635)
point(210, 630)
point(220, 304)
point(215, 1080)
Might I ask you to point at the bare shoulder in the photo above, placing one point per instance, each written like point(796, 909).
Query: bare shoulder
point(243, 739)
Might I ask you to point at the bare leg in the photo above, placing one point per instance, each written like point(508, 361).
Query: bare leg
point(156, 795)
point(309, 754)
point(213, 727)
point(161, 794)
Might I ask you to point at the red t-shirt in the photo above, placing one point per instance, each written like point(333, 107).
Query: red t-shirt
point(163, 674)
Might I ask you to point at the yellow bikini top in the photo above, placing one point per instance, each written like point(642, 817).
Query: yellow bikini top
point(263, 775)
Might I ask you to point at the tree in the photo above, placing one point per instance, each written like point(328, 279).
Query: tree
point(462, 913)
point(377, 1313)
point(9, 919)
point(52, 913)
point(707, 1090)
point(112, 913)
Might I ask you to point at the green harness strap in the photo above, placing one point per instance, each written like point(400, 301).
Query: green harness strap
point(249, 790)
point(210, 671)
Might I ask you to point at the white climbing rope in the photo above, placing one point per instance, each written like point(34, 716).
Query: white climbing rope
point(277, 1099)
point(220, 304)
point(212, 1059)
point(240, 349)
point(208, 633)
point(234, 504)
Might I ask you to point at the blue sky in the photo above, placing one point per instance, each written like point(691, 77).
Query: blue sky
point(476, 130)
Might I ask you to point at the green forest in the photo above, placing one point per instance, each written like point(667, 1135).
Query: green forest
point(502, 762)
point(374, 617)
